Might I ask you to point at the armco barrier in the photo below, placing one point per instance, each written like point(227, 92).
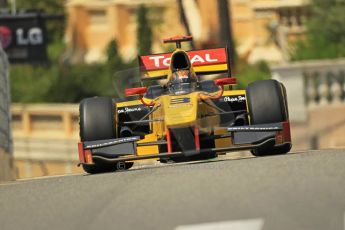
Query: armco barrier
point(6, 162)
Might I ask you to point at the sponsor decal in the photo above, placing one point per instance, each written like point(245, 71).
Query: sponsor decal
point(197, 58)
point(32, 36)
point(23, 37)
point(249, 128)
point(180, 100)
point(160, 61)
point(112, 142)
point(129, 109)
point(5, 36)
point(239, 98)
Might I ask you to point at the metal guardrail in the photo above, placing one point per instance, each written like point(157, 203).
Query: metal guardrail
point(5, 100)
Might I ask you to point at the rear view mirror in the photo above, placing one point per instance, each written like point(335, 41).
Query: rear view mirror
point(135, 91)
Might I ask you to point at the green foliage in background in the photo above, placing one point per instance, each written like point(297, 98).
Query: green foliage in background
point(59, 81)
point(246, 73)
point(326, 32)
point(144, 32)
point(49, 6)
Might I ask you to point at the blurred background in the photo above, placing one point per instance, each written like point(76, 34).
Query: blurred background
point(54, 53)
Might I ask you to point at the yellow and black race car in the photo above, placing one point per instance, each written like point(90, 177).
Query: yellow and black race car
point(183, 117)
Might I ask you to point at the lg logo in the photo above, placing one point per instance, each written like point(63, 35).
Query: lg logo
point(33, 36)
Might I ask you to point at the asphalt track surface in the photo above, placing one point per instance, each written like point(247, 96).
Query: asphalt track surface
point(295, 191)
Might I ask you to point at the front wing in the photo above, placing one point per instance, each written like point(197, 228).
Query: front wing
point(243, 137)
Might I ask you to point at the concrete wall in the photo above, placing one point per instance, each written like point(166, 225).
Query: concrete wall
point(45, 139)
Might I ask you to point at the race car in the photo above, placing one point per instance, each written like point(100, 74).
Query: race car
point(177, 115)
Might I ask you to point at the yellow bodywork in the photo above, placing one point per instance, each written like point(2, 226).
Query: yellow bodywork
point(179, 114)
point(193, 112)
point(145, 150)
point(187, 110)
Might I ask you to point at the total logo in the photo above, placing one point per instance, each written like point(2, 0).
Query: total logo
point(32, 36)
point(165, 61)
point(197, 58)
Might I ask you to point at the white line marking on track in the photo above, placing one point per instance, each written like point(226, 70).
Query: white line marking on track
point(249, 224)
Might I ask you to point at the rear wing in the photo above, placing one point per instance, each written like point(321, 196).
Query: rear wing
point(208, 61)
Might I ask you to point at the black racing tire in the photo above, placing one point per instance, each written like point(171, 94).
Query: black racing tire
point(267, 103)
point(97, 119)
point(97, 122)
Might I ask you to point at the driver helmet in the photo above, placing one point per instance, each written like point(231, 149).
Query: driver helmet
point(182, 76)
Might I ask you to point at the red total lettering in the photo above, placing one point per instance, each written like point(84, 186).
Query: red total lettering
point(197, 58)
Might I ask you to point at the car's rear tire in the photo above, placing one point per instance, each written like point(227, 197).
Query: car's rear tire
point(97, 122)
point(267, 103)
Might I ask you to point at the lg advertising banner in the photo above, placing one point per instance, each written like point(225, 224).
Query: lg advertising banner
point(23, 37)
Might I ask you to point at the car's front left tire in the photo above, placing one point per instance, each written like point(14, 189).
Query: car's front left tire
point(267, 103)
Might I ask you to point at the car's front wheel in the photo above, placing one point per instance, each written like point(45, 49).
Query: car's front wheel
point(267, 103)
point(97, 122)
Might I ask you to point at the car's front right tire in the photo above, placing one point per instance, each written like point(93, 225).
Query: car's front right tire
point(97, 122)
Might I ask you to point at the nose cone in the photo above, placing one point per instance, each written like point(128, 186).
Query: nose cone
point(180, 111)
